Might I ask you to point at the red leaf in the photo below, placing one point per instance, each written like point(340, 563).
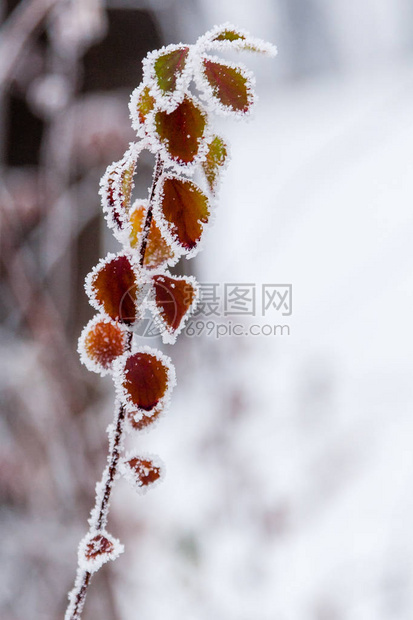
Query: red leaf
point(113, 287)
point(181, 131)
point(145, 380)
point(97, 548)
point(140, 422)
point(229, 85)
point(98, 545)
point(185, 209)
point(142, 472)
point(173, 299)
point(169, 66)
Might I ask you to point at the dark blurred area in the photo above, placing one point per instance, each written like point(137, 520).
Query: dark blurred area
point(67, 69)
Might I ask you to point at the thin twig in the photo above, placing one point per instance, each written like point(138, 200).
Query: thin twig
point(83, 578)
point(148, 221)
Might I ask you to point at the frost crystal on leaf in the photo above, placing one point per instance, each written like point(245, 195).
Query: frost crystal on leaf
point(116, 189)
point(144, 380)
point(228, 87)
point(215, 161)
point(182, 211)
point(101, 342)
point(228, 37)
point(158, 251)
point(173, 300)
point(142, 471)
point(97, 548)
point(116, 286)
point(180, 134)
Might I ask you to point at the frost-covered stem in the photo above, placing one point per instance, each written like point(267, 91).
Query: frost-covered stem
point(148, 221)
point(82, 583)
point(101, 509)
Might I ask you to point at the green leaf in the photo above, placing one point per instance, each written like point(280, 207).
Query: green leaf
point(168, 67)
point(144, 104)
point(229, 35)
point(215, 159)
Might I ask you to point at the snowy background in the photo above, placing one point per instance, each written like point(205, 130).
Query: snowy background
point(289, 487)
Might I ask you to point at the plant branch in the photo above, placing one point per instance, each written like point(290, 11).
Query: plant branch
point(148, 221)
point(100, 512)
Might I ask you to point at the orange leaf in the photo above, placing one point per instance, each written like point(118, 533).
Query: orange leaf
point(100, 343)
point(157, 252)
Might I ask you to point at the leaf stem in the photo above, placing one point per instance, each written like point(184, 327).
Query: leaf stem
point(148, 221)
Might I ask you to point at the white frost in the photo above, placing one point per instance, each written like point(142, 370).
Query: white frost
point(132, 478)
point(88, 545)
